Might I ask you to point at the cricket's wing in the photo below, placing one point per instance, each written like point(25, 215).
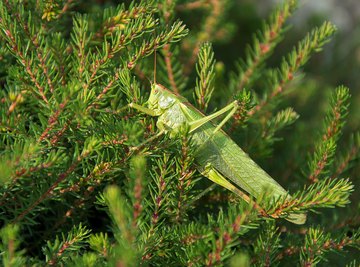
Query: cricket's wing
point(232, 162)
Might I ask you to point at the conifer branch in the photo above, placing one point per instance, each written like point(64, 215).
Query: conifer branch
point(317, 243)
point(14, 39)
point(208, 30)
point(185, 183)
point(206, 74)
point(327, 193)
point(193, 5)
point(280, 120)
point(60, 179)
point(266, 246)
point(175, 33)
point(120, 40)
point(22, 163)
point(42, 54)
point(168, 11)
point(81, 42)
point(325, 149)
point(120, 19)
point(101, 244)
point(313, 42)
point(65, 8)
point(159, 193)
point(136, 187)
point(9, 246)
point(53, 120)
point(91, 181)
point(231, 227)
point(352, 153)
point(72, 242)
point(66, 77)
point(119, 211)
point(244, 102)
point(169, 67)
point(56, 137)
point(18, 99)
point(263, 45)
point(21, 172)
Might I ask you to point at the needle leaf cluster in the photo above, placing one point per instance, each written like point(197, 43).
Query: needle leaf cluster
point(85, 181)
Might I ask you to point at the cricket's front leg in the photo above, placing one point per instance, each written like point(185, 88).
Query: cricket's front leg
point(212, 174)
point(149, 112)
point(134, 148)
point(143, 109)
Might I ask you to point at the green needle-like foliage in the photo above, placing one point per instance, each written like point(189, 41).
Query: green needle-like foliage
point(205, 69)
point(86, 181)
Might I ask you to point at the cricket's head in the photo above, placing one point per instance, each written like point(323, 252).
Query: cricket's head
point(161, 98)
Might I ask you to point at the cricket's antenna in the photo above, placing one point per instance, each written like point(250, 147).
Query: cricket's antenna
point(155, 65)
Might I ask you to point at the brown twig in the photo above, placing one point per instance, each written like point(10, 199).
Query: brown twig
point(265, 49)
point(167, 55)
point(100, 169)
point(331, 131)
point(24, 61)
point(45, 195)
point(21, 173)
point(53, 120)
point(350, 156)
point(321, 164)
point(137, 207)
point(226, 238)
point(39, 53)
point(61, 251)
point(169, 68)
point(65, 8)
point(56, 137)
point(193, 5)
point(207, 33)
point(328, 245)
point(185, 178)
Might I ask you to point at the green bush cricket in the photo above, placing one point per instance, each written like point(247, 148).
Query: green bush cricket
point(217, 156)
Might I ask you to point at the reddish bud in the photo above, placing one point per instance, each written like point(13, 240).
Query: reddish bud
point(264, 48)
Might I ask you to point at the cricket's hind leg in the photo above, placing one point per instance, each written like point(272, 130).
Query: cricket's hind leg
point(212, 174)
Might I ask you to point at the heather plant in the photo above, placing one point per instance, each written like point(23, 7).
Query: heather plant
point(85, 180)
